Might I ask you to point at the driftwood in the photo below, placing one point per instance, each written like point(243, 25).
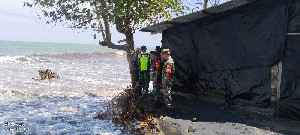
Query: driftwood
point(46, 74)
point(126, 111)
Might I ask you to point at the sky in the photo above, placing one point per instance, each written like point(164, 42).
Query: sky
point(18, 23)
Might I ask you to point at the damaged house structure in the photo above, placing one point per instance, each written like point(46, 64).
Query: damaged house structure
point(248, 49)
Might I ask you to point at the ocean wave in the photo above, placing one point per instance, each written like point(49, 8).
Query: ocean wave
point(13, 95)
point(37, 57)
point(17, 59)
point(117, 53)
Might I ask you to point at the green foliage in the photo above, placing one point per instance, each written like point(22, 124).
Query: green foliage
point(86, 13)
point(127, 15)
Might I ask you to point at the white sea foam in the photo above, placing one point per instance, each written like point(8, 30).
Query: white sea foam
point(8, 58)
point(18, 59)
point(60, 106)
point(121, 53)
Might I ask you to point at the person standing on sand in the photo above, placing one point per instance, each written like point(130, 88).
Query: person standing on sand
point(168, 77)
point(158, 50)
point(155, 68)
point(135, 59)
point(136, 66)
point(144, 74)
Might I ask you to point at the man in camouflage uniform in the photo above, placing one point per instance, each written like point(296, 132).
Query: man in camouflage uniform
point(168, 77)
point(155, 74)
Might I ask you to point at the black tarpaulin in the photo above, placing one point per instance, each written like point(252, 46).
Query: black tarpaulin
point(231, 51)
point(290, 86)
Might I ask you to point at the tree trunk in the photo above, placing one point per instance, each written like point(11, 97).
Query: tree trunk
point(123, 25)
point(106, 23)
point(130, 55)
point(130, 46)
point(205, 4)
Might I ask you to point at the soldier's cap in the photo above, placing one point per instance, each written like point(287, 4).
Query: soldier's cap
point(154, 53)
point(143, 48)
point(165, 51)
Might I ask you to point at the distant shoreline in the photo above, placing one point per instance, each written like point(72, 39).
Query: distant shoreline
point(45, 42)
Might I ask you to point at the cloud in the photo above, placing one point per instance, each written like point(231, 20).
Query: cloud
point(15, 17)
point(13, 11)
point(18, 23)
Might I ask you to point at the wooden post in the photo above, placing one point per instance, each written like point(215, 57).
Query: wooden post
point(278, 88)
point(276, 74)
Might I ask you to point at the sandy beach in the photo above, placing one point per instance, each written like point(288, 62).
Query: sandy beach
point(212, 120)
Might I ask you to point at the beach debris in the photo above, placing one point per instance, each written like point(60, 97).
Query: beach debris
point(176, 124)
point(149, 124)
point(194, 119)
point(46, 74)
point(125, 110)
point(191, 129)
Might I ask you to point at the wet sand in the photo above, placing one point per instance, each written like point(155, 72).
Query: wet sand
point(212, 120)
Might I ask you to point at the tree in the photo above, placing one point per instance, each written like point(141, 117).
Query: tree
point(205, 4)
point(212, 3)
point(99, 15)
point(202, 4)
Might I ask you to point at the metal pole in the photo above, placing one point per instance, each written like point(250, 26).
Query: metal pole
point(293, 34)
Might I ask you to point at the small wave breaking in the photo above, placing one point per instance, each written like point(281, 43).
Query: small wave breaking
point(17, 59)
point(39, 57)
point(117, 53)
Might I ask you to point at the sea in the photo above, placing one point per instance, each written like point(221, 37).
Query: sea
point(90, 75)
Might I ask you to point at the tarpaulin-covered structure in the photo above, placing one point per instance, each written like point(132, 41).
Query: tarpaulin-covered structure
point(233, 47)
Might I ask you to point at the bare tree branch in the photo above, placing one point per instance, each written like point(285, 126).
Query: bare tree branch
point(114, 46)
